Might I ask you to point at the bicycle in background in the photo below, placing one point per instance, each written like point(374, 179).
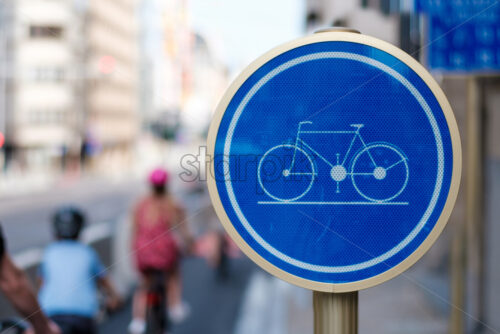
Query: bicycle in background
point(157, 321)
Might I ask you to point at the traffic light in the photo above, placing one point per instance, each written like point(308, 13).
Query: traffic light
point(2, 139)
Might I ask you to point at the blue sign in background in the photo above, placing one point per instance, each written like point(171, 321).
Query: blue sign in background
point(310, 224)
point(464, 36)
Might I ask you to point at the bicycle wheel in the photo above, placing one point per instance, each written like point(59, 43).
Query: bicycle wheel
point(380, 172)
point(279, 179)
point(156, 304)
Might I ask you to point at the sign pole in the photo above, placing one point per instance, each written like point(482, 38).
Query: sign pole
point(474, 193)
point(457, 281)
point(335, 313)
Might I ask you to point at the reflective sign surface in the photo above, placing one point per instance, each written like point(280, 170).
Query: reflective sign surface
point(332, 162)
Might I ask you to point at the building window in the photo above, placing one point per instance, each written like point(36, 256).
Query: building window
point(389, 6)
point(48, 74)
point(47, 117)
point(46, 31)
point(313, 20)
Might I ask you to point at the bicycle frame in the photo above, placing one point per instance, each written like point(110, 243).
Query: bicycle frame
point(355, 133)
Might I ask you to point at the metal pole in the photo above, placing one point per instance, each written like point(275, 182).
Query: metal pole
point(467, 263)
point(474, 195)
point(457, 280)
point(335, 313)
point(480, 208)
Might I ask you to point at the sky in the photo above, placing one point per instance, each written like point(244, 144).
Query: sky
point(239, 31)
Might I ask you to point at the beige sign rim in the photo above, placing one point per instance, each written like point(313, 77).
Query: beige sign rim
point(455, 178)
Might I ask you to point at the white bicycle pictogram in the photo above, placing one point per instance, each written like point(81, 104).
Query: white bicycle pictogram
point(368, 168)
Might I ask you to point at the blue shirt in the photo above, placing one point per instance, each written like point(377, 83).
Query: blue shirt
point(69, 271)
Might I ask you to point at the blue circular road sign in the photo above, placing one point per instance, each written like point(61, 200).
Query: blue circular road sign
point(335, 161)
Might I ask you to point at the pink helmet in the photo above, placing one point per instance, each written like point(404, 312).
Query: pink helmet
point(159, 177)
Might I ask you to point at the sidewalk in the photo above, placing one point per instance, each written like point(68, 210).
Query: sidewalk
point(272, 306)
point(15, 184)
point(410, 303)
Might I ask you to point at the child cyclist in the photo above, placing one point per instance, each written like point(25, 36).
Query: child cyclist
point(157, 218)
point(70, 274)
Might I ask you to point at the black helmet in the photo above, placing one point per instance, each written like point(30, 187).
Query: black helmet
point(68, 222)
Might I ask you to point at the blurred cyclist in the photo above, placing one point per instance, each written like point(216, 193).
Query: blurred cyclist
point(16, 287)
point(70, 273)
point(156, 247)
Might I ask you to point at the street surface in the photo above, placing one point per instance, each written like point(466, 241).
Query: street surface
point(26, 219)
point(215, 303)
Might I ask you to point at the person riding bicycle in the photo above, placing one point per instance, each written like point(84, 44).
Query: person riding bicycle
point(70, 273)
point(156, 246)
point(16, 287)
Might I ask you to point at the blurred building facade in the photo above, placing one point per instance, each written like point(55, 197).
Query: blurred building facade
point(111, 95)
point(39, 109)
point(180, 78)
point(165, 38)
point(391, 20)
point(205, 84)
point(68, 82)
point(79, 78)
point(353, 14)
